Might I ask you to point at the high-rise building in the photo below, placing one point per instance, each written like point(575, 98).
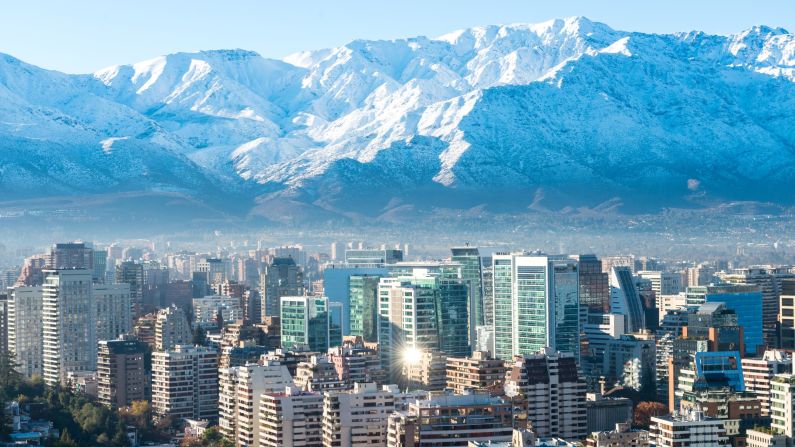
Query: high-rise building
point(216, 269)
point(68, 325)
point(709, 371)
point(479, 372)
point(768, 279)
point(782, 404)
point(283, 277)
point(551, 392)
point(758, 372)
point(630, 360)
point(132, 273)
point(625, 299)
point(121, 378)
point(292, 418)
point(357, 417)
point(240, 395)
point(701, 275)
point(113, 310)
point(594, 285)
point(665, 303)
point(171, 329)
point(305, 323)
point(608, 262)
point(372, 257)
point(663, 283)
point(408, 321)
point(336, 320)
point(25, 332)
point(787, 314)
point(428, 371)
point(445, 419)
point(185, 383)
point(356, 363)
point(536, 304)
point(472, 275)
point(364, 306)
point(745, 300)
point(318, 374)
point(687, 429)
point(487, 273)
point(71, 255)
point(100, 266)
point(209, 309)
point(337, 287)
point(442, 284)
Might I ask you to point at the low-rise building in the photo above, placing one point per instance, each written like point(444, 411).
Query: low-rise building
point(479, 372)
point(690, 428)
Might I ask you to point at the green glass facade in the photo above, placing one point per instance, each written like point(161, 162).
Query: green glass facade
point(305, 323)
point(363, 294)
point(471, 274)
point(536, 304)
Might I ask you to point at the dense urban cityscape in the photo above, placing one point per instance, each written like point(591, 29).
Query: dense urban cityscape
point(447, 223)
point(356, 343)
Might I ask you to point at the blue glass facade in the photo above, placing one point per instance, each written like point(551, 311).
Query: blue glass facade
point(748, 307)
point(336, 287)
point(719, 369)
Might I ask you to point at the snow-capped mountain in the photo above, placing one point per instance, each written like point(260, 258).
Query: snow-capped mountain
point(550, 115)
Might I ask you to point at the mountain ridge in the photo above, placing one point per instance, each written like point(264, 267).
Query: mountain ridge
point(560, 114)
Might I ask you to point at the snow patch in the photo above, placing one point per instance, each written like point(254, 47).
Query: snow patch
point(107, 143)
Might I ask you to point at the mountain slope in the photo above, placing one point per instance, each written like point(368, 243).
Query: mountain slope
point(566, 113)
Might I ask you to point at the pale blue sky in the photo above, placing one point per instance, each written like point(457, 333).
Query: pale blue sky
point(85, 35)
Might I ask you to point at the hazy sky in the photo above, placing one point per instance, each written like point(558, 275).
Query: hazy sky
point(85, 35)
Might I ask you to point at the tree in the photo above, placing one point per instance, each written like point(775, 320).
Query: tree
point(644, 411)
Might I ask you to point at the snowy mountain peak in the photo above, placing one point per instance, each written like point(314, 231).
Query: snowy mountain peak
point(569, 109)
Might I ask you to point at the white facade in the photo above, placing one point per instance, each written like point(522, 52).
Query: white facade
point(240, 393)
point(185, 383)
point(171, 329)
point(113, 308)
point(690, 429)
point(782, 392)
point(25, 329)
point(292, 418)
point(757, 374)
point(205, 310)
point(667, 302)
point(663, 283)
point(357, 417)
point(758, 438)
point(68, 325)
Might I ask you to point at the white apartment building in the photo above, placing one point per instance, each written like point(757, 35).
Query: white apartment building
point(357, 417)
point(240, 393)
point(691, 429)
point(25, 329)
point(185, 383)
point(782, 392)
point(68, 325)
point(292, 418)
point(758, 372)
point(171, 329)
point(113, 308)
point(207, 309)
point(663, 283)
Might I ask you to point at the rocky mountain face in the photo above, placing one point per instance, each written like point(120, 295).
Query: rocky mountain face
point(562, 115)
